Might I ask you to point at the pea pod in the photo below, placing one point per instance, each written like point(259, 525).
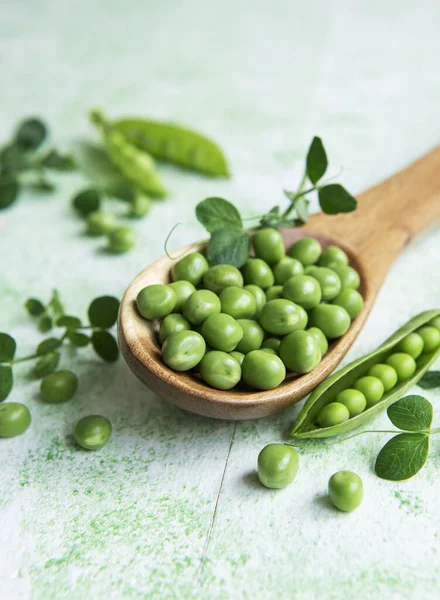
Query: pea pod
point(175, 144)
point(136, 165)
point(306, 425)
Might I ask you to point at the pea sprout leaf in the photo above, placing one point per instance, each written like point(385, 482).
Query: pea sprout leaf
point(335, 199)
point(403, 456)
point(412, 413)
point(316, 162)
point(9, 188)
point(45, 323)
point(56, 305)
point(48, 345)
point(105, 345)
point(59, 162)
point(103, 312)
point(228, 246)
point(217, 213)
point(78, 339)
point(6, 381)
point(7, 347)
point(430, 380)
point(69, 322)
point(86, 201)
point(30, 134)
point(34, 307)
point(46, 364)
point(43, 185)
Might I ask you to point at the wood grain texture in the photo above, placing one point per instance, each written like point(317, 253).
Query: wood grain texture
point(388, 217)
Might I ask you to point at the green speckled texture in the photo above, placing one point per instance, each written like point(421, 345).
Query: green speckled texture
point(171, 508)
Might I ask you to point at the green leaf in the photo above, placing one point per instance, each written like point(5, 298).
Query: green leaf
point(34, 307)
point(69, 322)
point(228, 246)
point(45, 323)
point(105, 345)
point(9, 188)
point(46, 364)
point(316, 162)
point(335, 199)
point(30, 134)
point(302, 209)
point(57, 161)
point(12, 160)
point(78, 339)
point(56, 305)
point(430, 380)
point(48, 345)
point(7, 347)
point(6, 382)
point(103, 312)
point(217, 213)
point(271, 218)
point(412, 413)
point(86, 201)
point(93, 161)
point(403, 456)
point(43, 185)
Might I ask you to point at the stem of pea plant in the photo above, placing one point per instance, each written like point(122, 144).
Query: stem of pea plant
point(299, 193)
point(24, 359)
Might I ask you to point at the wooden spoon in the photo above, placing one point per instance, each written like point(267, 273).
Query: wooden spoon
point(388, 217)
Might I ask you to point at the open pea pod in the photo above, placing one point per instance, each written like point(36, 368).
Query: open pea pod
point(306, 425)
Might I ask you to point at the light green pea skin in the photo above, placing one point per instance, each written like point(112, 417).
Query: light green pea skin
point(183, 290)
point(346, 490)
point(259, 295)
point(263, 370)
point(306, 250)
point(351, 300)
point(15, 418)
point(281, 317)
point(239, 356)
point(435, 323)
point(100, 222)
point(404, 365)
point(58, 387)
point(268, 245)
point(349, 277)
point(269, 350)
point(201, 305)
point(156, 301)
point(92, 432)
point(287, 268)
point(190, 268)
point(273, 343)
point(238, 303)
point(257, 272)
point(431, 338)
point(278, 465)
point(332, 414)
point(219, 277)
point(320, 338)
point(276, 291)
point(371, 387)
point(303, 290)
point(386, 374)
point(253, 336)
point(354, 400)
point(300, 352)
point(222, 332)
point(173, 323)
point(412, 344)
point(333, 255)
point(331, 319)
point(121, 240)
point(328, 280)
point(184, 350)
point(220, 370)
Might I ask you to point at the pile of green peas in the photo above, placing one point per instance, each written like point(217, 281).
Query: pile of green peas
point(399, 366)
point(252, 325)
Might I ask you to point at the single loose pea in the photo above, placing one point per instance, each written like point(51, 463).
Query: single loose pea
point(100, 222)
point(328, 280)
point(121, 239)
point(349, 277)
point(277, 465)
point(303, 290)
point(272, 342)
point(331, 319)
point(431, 338)
point(320, 338)
point(332, 414)
point(268, 245)
point(404, 365)
point(190, 268)
point(307, 251)
point(435, 322)
point(412, 344)
point(173, 323)
point(239, 356)
point(263, 370)
point(281, 317)
point(253, 336)
point(354, 400)
point(219, 277)
point(59, 386)
point(371, 387)
point(386, 374)
point(276, 291)
point(346, 490)
point(92, 432)
point(287, 268)
point(15, 418)
point(222, 332)
point(220, 370)
point(156, 301)
point(238, 302)
point(201, 305)
point(257, 272)
point(351, 300)
point(184, 350)
point(300, 352)
point(333, 255)
point(182, 289)
point(259, 295)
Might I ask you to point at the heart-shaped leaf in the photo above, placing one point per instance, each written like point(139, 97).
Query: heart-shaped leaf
point(403, 456)
point(335, 199)
point(217, 213)
point(412, 413)
point(103, 312)
point(228, 246)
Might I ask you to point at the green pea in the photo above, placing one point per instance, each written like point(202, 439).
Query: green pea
point(262, 370)
point(333, 255)
point(183, 290)
point(287, 268)
point(281, 316)
point(412, 344)
point(431, 338)
point(140, 206)
point(92, 432)
point(331, 319)
point(371, 387)
point(253, 336)
point(59, 386)
point(272, 342)
point(15, 418)
point(320, 338)
point(100, 222)
point(220, 370)
point(259, 295)
point(219, 277)
point(156, 301)
point(354, 400)
point(173, 323)
point(333, 414)
point(404, 365)
point(435, 322)
point(121, 239)
point(277, 465)
point(386, 374)
point(303, 290)
point(268, 245)
point(238, 303)
point(346, 490)
point(348, 276)
point(351, 300)
point(257, 272)
point(239, 356)
point(306, 250)
point(184, 350)
point(269, 350)
point(190, 268)
point(300, 352)
point(201, 305)
point(328, 280)
point(222, 332)
point(276, 291)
